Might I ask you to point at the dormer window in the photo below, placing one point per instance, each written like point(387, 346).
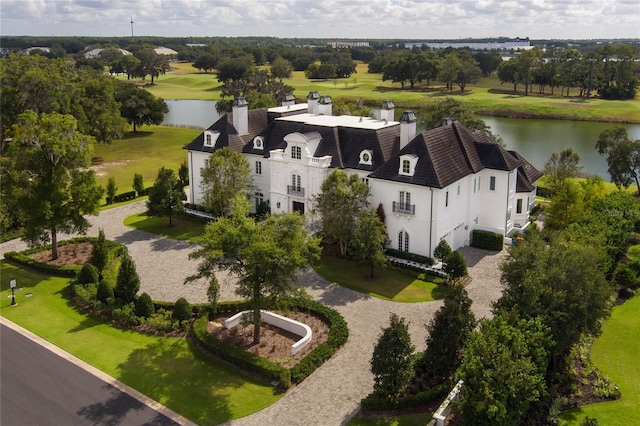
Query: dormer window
point(258, 142)
point(296, 152)
point(366, 157)
point(210, 137)
point(407, 164)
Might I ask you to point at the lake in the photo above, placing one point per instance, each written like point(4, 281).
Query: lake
point(535, 139)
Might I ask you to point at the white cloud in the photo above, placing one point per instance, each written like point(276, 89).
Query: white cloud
point(328, 18)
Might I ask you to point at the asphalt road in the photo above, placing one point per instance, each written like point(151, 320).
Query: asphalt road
point(38, 387)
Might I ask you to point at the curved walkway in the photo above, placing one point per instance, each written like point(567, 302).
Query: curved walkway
point(331, 395)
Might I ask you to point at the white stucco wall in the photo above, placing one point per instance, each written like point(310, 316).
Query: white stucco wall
point(196, 161)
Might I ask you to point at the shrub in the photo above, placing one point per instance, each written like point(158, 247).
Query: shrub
point(442, 250)
point(111, 190)
point(128, 282)
point(100, 253)
point(144, 306)
point(455, 265)
point(626, 277)
point(487, 240)
point(181, 310)
point(409, 256)
point(138, 185)
point(376, 402)
point(88, 274)
point(105, 292)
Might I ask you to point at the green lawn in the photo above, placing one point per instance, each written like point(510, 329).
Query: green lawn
point(185, 82)
point(404, 420)
point(181, 230)
point(616, 354)
point(387, 284)
point(144, 153)
point(168, 370)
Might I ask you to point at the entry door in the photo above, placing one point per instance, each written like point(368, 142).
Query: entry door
point(298, 207)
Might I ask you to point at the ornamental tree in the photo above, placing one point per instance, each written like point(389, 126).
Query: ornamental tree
point(48, 177)
point(227, 174)
point(128, 281)
point(370, 240)
point(265, 256)
point(448, 333)
point(391, 360)
point(165, 196)
point(341, 199)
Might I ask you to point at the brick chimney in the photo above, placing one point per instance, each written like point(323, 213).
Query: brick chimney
point(312, 101)
point(240, 108)
point(324, 105)
point(386, 110)
point(408, 125)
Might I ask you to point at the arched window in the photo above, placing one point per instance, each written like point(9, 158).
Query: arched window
point(403, 241)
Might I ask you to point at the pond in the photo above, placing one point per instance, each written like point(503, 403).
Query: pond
point(535, 139)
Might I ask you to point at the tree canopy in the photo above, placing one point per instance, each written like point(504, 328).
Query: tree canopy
point(139, 106)
point(560, 167)
point(370, 240)
point(265, 256)
point(54, 86)
point(341, 199)
point(503, 371)
point(561, 283)
point(49, 178)
point(165, 196)
point(226, 174)
point(623, 156)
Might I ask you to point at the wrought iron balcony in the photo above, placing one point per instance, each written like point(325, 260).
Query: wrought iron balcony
point(404, 208)
point(295, 190)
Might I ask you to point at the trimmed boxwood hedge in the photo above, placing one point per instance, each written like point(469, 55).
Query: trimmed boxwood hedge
point(487, 240)
point(125, 196)
point(409, 256)
point(22, 258)
point(337, 337)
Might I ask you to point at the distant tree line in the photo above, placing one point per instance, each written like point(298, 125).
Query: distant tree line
point(612, 71)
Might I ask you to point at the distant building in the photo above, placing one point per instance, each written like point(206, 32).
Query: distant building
point(439, 184)
point(340, 44)
point(28, 50)
point(95, 53)
point(516, 44)
point(164, 51)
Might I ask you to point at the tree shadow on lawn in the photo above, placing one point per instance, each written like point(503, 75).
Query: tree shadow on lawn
point(196, 388)
point(330, 293)
point(120, 408)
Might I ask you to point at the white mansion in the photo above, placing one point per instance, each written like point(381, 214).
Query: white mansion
point(440, 184)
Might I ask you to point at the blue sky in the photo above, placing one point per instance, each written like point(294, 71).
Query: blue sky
point(427, 19)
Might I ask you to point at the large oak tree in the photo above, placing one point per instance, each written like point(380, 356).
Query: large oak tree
point(48, 176)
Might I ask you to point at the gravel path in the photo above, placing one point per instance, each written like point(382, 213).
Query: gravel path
point(331, 395)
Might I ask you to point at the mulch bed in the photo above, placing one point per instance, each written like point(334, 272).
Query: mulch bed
point(68, 255)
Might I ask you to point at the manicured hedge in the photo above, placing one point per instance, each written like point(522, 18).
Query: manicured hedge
point(337, 337)
point(22, 258)
point(239, 357)
point(125, 196)
point(409, 256)
point(487, 240)
point(543, 192)
point(375, 402)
